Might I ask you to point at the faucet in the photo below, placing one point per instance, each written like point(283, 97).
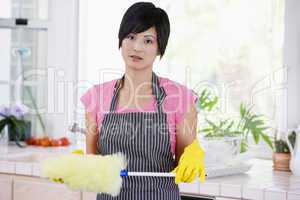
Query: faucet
point(74, 128)
point(77, 139)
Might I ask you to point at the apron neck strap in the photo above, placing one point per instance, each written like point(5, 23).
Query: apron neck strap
point(157, 91)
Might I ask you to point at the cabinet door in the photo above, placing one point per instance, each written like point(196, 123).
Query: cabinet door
point(5, 187)
point(190, 188)
point(37, 190)
point(89, 196)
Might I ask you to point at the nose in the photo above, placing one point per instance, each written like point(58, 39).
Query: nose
point(138, 45)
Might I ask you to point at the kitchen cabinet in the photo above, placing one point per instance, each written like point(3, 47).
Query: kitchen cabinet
point(89, 195)
point(6, 184)
point(33, 189)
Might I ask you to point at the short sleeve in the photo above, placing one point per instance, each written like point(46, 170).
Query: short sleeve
point(187, 99)
point(89, 100)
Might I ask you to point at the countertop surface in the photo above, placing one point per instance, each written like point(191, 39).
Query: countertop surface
point(13, 149)
point(260, 182)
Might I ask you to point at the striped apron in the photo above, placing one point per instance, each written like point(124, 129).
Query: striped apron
point(143, 137)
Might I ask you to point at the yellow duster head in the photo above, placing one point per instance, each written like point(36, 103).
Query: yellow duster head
point(93, 173)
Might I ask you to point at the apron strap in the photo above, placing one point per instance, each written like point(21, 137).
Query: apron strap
point(157, 91)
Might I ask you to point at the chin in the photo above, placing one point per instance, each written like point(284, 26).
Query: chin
point(136, 66)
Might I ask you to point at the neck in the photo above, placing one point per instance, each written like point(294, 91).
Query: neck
point(139, 81)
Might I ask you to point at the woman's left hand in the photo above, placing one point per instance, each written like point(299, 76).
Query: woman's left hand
point(191, 164)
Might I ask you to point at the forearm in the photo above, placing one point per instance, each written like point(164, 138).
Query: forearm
point(91, 145)
point(186, 132)
point(91, 135)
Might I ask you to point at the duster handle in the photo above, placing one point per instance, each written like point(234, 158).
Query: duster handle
point(125, 173)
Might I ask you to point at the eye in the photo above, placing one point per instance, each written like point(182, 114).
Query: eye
point(130, 37)
point(148, 41)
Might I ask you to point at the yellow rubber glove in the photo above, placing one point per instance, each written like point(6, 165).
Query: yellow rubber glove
point(60, 180)
point(191, 164)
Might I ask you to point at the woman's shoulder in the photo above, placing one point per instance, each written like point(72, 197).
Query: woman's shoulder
point(178, 97)
point(105, 86)
point(98, 93)
point(171, 86)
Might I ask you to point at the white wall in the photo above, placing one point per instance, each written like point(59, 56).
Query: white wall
point(292, 60)
point(62, 65)
point(5, 43)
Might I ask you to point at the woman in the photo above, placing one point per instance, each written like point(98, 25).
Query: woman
point(152, 120)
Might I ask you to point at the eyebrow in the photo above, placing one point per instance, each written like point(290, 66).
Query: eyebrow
point(150, 36)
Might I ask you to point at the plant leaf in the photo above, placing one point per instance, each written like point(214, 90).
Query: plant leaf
point(267, 139)
point(207, 101)
point(3, 123)
point(206, 130)
point(242, 110)
point(244, 146)
point(255, 134)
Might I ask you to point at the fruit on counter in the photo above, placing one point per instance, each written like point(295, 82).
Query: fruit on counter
point(45, 142)
point(37, 142)
point(64, 141)
point(48, 142)
point(30, 141)
point(55, 143)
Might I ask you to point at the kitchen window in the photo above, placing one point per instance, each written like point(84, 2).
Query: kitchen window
point(24, 55)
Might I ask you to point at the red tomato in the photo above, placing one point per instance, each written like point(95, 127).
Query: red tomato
point(38, 141)
point(30, 141)
point(55, 143)
point(45, 142)
point(64, 141)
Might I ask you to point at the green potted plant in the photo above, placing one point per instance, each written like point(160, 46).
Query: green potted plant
point(13, 118)
point(281, 154)
point(248, 124)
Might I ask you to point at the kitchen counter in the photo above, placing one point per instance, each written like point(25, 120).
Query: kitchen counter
point(26, 161)
point(13, 149)
point(260, 182)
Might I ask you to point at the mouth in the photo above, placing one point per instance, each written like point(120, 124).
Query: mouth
point(136, 58)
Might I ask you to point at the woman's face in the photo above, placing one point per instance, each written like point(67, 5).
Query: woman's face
point(140, 50)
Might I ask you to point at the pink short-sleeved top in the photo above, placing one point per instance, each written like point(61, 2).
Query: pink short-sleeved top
point(178, 99)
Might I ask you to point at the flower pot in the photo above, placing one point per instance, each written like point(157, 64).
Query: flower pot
point(281, 161)
point(21, 136)
point(221, 150)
